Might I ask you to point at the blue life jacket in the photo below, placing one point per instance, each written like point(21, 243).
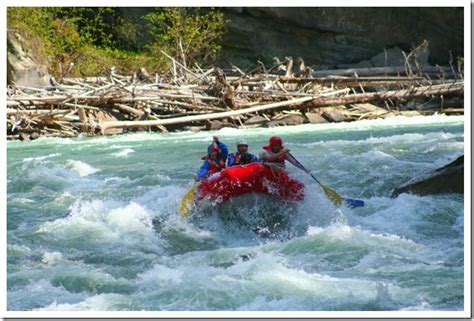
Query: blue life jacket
point(234, 159)
point(207, 168)
point(212, 166)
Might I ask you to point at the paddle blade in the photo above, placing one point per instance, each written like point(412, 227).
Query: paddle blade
point(332, 194)
point(185, 207)
point(352, 203)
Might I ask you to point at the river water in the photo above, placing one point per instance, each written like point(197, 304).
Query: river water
point(93, 224)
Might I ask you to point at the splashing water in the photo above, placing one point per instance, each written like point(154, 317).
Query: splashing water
point(93, 224)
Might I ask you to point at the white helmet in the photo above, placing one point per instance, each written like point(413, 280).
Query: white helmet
point(242, 142)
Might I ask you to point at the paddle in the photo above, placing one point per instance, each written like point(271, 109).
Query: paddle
point(185, 207)
point(332, 194)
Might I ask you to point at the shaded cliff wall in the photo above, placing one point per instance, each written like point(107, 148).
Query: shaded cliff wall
point(332, 37)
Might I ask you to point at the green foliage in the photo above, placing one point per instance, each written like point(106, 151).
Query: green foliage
point(101, 26)
point(39, 24)
point(189, 32)
point(96, 38)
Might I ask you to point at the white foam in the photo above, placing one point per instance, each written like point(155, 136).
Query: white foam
point(83, 169)
point(423, 306)
point(124, 153)
point(64, 196)
point(23, 200)
point(52, 257)
point(130, 219)
point(101, 302)
point(99, 221)
point(15, 249)
point(40, 158)
point(356, 235)
point(160, 274)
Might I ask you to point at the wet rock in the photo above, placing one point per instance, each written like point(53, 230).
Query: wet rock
point(362, 64)
point(287, 120)
point(334, 115)
point(24, 136)
point(217, 124)
point(447, 179)
point(315, 118)
point(389, 57)
point(410, 113)
point(255, 121)
point(194, 129)
point(22, 69)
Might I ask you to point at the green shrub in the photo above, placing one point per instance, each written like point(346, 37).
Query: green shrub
point(97, 38)
point(191, 32)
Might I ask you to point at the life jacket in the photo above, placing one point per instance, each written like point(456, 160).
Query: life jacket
point(237, 158)
point(241, 159)
point(221, 155)
point(280, 160)
point(214, 166)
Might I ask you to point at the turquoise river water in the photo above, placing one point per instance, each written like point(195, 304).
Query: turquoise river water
point(93, 225)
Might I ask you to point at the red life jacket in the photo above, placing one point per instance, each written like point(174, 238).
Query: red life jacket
point(214, 167)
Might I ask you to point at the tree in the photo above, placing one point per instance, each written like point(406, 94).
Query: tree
point(190, 34)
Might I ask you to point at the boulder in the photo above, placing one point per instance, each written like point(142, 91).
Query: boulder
point(24, 136)
point(215, 125)
point(22, 69)
point(287, 120)
point(410, 113)
point(360, 64)
point(315, 118)
point(334, 115)
point(389, 58)
point(194, 129)
point(447, 179)
point(255, 121)
point(366, 107)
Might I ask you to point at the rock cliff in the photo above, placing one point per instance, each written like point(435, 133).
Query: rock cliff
point(339, 37)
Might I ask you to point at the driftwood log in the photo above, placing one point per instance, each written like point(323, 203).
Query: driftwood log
point(114, 103)
point(299, 103)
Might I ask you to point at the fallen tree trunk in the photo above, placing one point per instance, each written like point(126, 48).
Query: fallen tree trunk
point(381, 71)
point(305, 102)
point(179, 120)
point(84, 98)
point(437, 90)
point(130, 110)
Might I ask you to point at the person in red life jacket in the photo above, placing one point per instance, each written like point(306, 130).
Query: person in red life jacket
point(276, 154)
point(223, 151)
point(237, 159)
point(214, 161)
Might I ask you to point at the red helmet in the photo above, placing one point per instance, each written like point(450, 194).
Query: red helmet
point(213, 148)
point(276, 141)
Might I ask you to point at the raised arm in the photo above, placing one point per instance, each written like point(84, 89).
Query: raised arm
point(203, 170)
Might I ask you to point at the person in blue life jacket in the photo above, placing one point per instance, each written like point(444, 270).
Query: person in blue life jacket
point(237, 157)
point(214, 162)
point(223, 150)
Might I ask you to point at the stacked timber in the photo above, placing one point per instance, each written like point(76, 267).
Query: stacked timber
point(194, 99)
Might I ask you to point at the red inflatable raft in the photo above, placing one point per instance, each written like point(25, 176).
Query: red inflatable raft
point(251, 178)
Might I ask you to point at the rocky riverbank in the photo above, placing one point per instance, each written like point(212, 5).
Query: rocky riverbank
point(185, 99)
